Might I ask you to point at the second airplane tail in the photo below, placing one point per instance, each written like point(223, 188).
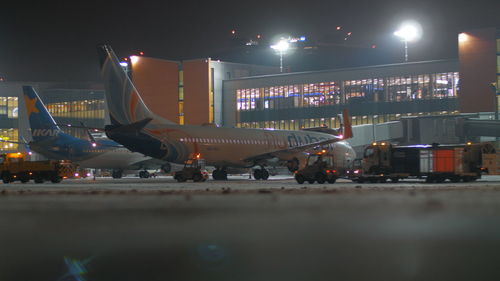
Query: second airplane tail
point(124, 102)
point(41, 122)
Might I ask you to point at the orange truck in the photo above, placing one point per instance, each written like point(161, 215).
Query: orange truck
point(434, 163)
point(15, 167)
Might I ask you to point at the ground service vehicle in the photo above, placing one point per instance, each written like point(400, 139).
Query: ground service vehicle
point(320, 167)
point(194, 169)
point(14, 166)
point(434, 163)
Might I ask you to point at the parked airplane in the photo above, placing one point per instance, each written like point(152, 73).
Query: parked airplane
point(139, 129)
point(50, 141)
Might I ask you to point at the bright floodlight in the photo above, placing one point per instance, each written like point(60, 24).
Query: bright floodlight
point(463, 37)
point(281, 46)
point(134, 59)
point(409, 31)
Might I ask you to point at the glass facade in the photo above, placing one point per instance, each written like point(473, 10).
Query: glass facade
point(8, 134)
point(9, 107)
point(72, 106)
point(86, 109)
point(9, 111)
point(318, 98)
point(74, 112)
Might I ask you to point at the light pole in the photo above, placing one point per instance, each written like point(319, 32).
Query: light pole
point(281, 47)
point(495, 95)
point(409, 31)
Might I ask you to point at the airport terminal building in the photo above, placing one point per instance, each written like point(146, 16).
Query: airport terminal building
point(249, 96)
point(372, 94)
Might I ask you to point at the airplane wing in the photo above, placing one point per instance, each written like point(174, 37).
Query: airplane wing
point(81, 127)
point(18, 142)
point(293, 150)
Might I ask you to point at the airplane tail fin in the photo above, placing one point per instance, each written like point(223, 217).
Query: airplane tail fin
point(41, 122)
point(124, 102)
point(347, 129)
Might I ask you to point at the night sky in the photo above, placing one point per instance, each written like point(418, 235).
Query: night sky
point(55, 40)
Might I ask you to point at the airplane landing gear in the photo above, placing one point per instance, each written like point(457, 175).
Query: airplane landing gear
point(261, 174)
point(166, 168)
point(144, 174)
point(219, 174)
point(117, 174)
point(293, 165)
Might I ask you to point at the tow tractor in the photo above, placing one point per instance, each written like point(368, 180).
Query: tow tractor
point(319, 167)
point(15, 166)
point(194, 169)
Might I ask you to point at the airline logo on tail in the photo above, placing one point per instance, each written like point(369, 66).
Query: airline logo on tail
point(44, 132)
point(31, 104)
point(41, 122)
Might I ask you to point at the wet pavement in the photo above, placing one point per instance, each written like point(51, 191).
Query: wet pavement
point(158, 229)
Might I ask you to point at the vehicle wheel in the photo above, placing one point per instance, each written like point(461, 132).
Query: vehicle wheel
point(429, 179)
point(265, 174)
point(320, 178)
point(56, 179)
point(394, 180)
point(310, 180)
point(373, 180)
point(332, 180)
point(24, 178)
point(300, 179)
point(382, 180)
point(117, 174)
point(455, 179)
point(215, 174)
point(39, 179)
point(219, 174)
point(257, 174)
point(144, 174)
point(180, 178)
point(440, 179)
point(197, 177)
point(466, 179)
point(360, 180)
point(6, 178)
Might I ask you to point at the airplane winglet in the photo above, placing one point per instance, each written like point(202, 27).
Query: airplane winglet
point(102, 52)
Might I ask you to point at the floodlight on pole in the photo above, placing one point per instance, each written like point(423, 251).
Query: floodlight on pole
point(408, 31)
point(281, 47)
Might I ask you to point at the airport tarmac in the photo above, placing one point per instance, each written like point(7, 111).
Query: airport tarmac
point(158, 229)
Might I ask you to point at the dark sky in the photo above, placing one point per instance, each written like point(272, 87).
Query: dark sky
point(55, 40)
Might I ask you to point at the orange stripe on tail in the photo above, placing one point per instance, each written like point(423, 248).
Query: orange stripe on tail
point(347, 124)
